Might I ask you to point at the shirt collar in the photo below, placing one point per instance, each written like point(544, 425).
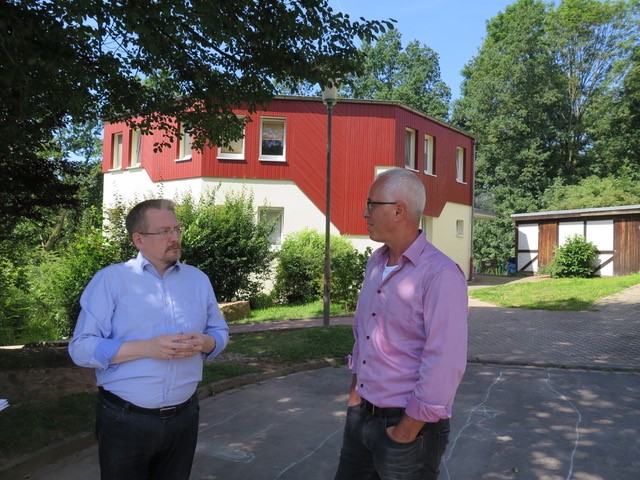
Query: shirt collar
point(142, 263)
point(415, 249)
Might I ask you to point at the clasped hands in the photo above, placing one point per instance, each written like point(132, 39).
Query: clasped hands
point(179, 345)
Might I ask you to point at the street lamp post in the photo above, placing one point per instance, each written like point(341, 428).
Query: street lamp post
point(329, 98)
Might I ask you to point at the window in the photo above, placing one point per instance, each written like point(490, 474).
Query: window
point(136, 148)
point(184, 144)
point(272, 139)
point(460, 228)
point(410, 149)
point(116, 154)
point(460, 164)
point(272, 216)
point(429, 166)
point(235, 150)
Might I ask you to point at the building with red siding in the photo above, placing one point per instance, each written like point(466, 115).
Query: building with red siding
point(282, 161)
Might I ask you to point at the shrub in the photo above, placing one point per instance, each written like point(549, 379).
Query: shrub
point(575, 258)
point(347, 275)
point(14, 304)
point(300, 269)
point(226, 243)
point(58, 281)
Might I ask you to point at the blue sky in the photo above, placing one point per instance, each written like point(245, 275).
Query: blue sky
point(454, 29)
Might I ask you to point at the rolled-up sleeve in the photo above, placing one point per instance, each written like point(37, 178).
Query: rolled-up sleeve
point(444, 356)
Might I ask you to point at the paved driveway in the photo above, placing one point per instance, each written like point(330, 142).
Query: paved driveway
point(546, 396)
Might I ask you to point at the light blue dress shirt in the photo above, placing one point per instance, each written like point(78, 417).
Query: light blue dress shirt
point(131, 301)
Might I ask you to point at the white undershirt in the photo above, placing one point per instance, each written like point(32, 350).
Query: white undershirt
point(387, 270)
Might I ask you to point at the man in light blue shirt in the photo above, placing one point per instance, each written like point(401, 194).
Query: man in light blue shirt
point(146, 326)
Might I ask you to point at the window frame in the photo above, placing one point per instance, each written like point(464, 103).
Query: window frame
point(233, 155)
point(429, 155)
point(460, 164)
point(272, 212)
point(117, 146)
point(135, 160)
point(268, 157)
point(184, 145)
point(410, 160)
point(459, 228)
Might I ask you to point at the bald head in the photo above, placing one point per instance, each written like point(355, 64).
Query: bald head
point(403, 185)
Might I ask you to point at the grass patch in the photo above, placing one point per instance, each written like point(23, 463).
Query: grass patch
point(555, 293)
point(38, 424)
point(294, 346)
point(214, 372)
point(291, 312)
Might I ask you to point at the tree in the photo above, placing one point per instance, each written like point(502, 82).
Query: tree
point(411, 76)
point(546, 84)
point(614, 124)
point(593, 192)
point(510, 91)
point(593, 42)
point(147, 63)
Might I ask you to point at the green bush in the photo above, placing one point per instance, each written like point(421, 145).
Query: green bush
point(57, 283)
point(14, 304)
point(575, 258)
point(347, 275)
point(227, 244)
point(300, 269)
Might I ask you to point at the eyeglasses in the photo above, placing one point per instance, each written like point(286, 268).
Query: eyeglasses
point(371, 202)
point(165, 232)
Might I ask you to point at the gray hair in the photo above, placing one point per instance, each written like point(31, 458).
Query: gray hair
point(404, 185)
point(136, 220)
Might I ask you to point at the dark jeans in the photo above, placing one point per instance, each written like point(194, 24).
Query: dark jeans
point(140, 446)
point(369, 454)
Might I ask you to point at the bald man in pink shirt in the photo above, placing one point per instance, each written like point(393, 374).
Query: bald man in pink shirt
point(410, 348)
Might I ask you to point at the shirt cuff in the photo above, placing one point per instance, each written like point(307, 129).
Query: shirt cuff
point(425, 412)
point(106, 351)
point(220, 344)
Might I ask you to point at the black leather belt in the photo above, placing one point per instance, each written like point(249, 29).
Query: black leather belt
point(380, 411)
point(164, 412)
point(442, 424)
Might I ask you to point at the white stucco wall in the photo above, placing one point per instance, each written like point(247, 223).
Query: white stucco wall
point(299, 211)
point(444, 235)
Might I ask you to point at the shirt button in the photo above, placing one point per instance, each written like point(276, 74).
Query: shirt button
point(379, 291)
point(364, 361)
point(373, 314)
point(368, 337)
point(361, 385)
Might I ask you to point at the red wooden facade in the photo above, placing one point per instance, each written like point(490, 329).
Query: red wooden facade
point(365, 135)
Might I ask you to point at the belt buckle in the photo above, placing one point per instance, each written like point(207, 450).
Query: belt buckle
point(167, 412)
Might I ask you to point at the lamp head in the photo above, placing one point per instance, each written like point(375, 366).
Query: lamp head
point(330, 93)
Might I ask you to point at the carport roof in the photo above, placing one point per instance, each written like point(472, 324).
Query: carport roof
point(584, 212)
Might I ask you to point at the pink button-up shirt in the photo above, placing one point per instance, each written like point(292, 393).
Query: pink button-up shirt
point(411, 332)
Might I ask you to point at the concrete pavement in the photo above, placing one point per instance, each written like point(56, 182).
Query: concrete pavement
point(547, 395)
